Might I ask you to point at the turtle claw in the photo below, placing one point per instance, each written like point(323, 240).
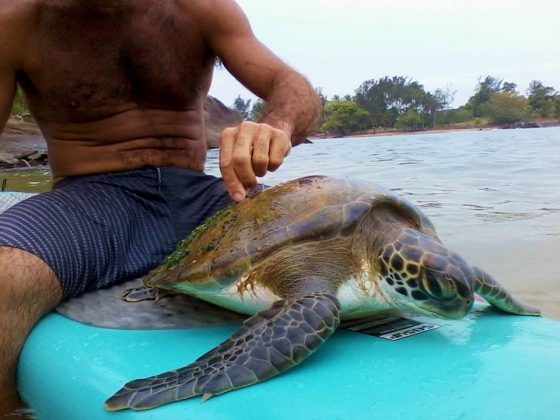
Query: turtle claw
point(142, 293)
point(267, 344)
point(206, 397)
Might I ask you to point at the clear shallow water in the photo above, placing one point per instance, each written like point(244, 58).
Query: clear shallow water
point(493, 195)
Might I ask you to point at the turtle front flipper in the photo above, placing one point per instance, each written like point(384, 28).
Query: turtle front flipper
point(267, 344)
point(494, 293)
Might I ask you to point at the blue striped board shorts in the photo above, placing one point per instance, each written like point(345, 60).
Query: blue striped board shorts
point(98, 230)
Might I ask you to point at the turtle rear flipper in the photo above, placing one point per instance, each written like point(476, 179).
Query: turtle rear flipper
point(494, 293)
point(267, 344)
point(142, 293)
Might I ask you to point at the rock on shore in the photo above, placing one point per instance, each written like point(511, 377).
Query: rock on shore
point(22, 145)
point(217, 116)
point(522, 124)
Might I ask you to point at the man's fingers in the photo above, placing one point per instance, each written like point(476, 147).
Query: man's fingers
point(233, 184)
point(248, 151)
point(261, 149)
point(280, 147)
point(242, 152)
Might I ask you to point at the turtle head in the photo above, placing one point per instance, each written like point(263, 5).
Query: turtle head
point(418, 273)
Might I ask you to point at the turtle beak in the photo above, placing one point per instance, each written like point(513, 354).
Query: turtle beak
point(459, 309)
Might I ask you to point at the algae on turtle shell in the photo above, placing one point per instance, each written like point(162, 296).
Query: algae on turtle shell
point(183, 247)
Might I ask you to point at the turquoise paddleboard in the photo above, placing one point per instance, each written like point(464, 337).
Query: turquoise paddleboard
point(487, 365)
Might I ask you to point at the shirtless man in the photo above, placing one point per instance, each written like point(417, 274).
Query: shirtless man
point(117, 88)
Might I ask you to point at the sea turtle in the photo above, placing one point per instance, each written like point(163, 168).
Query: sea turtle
point(299, 257)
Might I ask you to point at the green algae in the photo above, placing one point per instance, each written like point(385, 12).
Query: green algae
point(183, 248)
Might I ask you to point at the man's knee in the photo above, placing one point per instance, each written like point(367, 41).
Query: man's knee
point(26, 280)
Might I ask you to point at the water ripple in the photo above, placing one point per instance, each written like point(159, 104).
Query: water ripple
point(471, 176)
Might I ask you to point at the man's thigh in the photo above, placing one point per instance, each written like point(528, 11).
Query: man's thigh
point(101, 230)
point(91, 235)
point(27, 284)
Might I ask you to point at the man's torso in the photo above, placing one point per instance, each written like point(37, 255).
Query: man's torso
point(117, 90)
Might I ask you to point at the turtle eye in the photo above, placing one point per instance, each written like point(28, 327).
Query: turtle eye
point(438, 285)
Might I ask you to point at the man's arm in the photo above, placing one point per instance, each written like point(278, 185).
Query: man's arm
point(7, 92)
point(292, 105)
point(10, 31)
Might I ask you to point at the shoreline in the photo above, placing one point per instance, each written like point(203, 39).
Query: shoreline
point(360, 134)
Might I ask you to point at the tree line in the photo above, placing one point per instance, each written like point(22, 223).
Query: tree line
point(400, 103)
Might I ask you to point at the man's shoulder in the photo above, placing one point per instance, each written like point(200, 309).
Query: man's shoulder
point(215, 16)
point(20, 8)
point(208, 9)
point(18, 12)
point(17, 20)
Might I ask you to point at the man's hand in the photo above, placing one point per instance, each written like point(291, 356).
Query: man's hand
point(250, 150)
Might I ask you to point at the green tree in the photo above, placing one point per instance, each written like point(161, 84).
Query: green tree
point(343, 117)
point(509, 87)
point(556, 113)
point(444, 99)
point(374, 96)
point(432, 104)
point(445, 96)
point(459, 115)
point(257, 110)
point(478, 103)
point(242, 106)
point(409, 120)
point(319, 91)
point(507, 108)
point(387, 98)
point(324, 101)
point(542, 99)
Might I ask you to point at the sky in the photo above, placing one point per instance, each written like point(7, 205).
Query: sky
point(338, 44)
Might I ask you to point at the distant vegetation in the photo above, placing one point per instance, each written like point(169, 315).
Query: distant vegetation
point(399, 103)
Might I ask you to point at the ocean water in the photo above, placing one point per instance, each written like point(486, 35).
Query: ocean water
point(493, 195)
point(466, 178)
